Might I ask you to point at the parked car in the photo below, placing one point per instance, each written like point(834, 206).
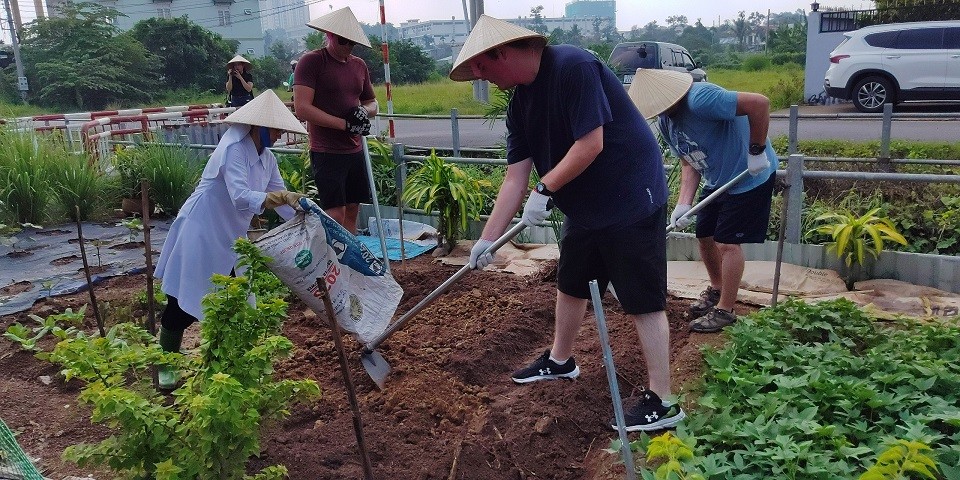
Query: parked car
point(896, 62)
point(627, 57)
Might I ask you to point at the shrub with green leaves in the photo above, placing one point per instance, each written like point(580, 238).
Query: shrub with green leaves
point(818, 391)
point(439, 185)
point(79, 184)
point(212, 426)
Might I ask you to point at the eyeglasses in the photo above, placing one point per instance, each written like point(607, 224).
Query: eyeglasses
point(345, 41)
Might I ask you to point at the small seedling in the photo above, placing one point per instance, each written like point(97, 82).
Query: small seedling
point(134, 227)
point(97, 243)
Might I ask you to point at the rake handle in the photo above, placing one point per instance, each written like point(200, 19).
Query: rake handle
point(506, 237)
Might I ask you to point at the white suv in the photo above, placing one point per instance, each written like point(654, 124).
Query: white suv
point(896, 62)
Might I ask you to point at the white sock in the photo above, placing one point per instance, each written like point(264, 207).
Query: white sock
point(558, 362)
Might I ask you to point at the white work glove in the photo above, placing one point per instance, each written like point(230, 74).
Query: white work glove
point(681, 223)
point(479, 256)
point(757, 164)
point(535, 211)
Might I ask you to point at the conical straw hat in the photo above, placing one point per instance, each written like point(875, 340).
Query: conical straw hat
point(654, 91)
point(239, 59)
point(488, 33)
point(342, 23)
point(267, 111)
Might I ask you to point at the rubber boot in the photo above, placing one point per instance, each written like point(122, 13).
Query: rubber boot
point(167, 377)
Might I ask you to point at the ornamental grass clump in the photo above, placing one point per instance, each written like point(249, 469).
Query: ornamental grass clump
point(172, 174)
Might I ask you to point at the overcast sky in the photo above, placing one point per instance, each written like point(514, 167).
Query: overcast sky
point(629, 12)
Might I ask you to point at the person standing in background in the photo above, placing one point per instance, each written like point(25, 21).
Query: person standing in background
point(239, 82)
point(332, 92)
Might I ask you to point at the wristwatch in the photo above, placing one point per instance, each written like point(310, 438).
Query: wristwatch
point(542, 189)
point(757, 148)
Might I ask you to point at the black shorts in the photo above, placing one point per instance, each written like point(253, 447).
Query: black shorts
point(340, 178)
point(633, 258)
point(736, 219)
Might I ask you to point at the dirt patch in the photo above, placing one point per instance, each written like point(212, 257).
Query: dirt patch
point(127, 245)
point(65, 260)
point(16, 288)
point(449, 408)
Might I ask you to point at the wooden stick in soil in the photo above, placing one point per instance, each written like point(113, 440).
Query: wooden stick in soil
point(148, 255)
point(347, 379)
point(86, 270)
point(783, 222)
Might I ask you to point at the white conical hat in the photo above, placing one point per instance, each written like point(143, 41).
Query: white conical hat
point(654, 91)
point(342, 23)
point(267, 111)
point(488, 33)
point(239, 59)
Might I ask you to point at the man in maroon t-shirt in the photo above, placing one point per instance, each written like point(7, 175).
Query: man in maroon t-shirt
point(334, 95)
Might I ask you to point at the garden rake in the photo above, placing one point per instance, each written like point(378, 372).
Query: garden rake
point(374, 363)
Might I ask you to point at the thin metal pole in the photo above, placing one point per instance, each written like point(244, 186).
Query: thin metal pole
point(385, 50)
point(347, 379)
point(401, 178)
point(376, 204)
point(885, 128)
point(22, 84)
point(785, 199)
point(612, 380)
point(794, 127)
point(794, 212)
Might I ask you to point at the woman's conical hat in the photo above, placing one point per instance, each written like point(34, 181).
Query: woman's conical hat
point(267, 111)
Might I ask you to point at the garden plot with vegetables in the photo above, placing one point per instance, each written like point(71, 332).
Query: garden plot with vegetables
point(803, 391)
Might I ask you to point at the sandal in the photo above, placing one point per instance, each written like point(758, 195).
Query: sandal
point(713, 321)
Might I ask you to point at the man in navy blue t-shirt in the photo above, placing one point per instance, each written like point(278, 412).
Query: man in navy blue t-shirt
point(571, 119)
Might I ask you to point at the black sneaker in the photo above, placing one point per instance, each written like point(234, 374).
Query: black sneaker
point(650, 414)
point(709, 298)
point(545, 369)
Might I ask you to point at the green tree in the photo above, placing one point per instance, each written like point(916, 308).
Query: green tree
point(190, 55)
point(408, 63)
point(79, 60)
point(741, 28)
point(538, 24)
point(789, 39)
point(268, 72)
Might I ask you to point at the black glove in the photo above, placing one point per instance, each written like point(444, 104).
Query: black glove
point(357, 121)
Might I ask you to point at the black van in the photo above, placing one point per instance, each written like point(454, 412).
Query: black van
point(627, 57)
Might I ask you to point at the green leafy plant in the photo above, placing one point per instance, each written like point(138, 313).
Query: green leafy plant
point(675, 458)
point(813, 391)
point(213, 424)
point(384, 171)
point(134, 228)
point(858, 239)
point(438, 185)
point(26, 190)
point(904, 459)
point(128, 165)
point(27, 337)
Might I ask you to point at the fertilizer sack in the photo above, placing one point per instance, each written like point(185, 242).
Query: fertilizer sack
point(312, 245)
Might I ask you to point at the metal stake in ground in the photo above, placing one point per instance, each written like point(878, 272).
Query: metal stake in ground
point(612, 380)
point(376, 203)
point(86, 270)
point(347, 379)
point(784, 196)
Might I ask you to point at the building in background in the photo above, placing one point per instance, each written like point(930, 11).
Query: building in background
point(239, 20)
point(443, 38)
point(285, 20)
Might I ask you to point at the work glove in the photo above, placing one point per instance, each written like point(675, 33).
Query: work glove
point(479, 256)
point(681, 223)
point(757, 164)
point(279, 198)
point(358, 123)
point(536, 210)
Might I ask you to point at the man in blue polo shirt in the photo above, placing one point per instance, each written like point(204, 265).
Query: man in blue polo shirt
point(717, 134)
point(571, 119)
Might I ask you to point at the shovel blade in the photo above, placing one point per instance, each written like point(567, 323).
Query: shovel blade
point(376, 366)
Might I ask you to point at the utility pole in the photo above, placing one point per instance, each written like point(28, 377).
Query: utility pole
point(22, 85)
point(481, 88)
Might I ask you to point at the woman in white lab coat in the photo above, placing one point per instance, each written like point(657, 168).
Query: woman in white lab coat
point(240, 180)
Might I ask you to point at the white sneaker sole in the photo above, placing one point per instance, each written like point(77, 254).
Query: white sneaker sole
point(573, 374)
point(661, 424)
